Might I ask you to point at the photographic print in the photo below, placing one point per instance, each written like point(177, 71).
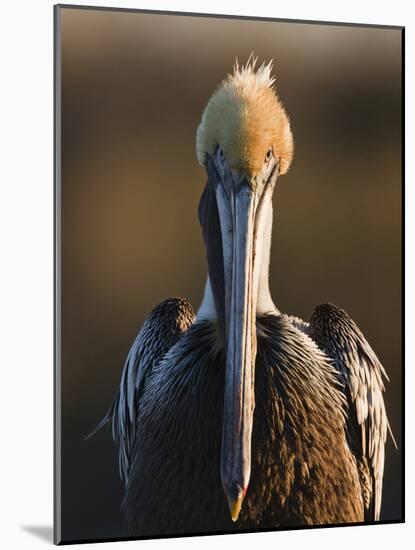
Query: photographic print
point(228, 329)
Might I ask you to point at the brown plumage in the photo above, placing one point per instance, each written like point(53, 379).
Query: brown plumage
point(303, 472)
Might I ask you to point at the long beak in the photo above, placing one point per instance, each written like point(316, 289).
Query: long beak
point(237, 212)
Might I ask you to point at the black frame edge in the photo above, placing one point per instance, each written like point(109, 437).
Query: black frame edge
point(57, 523)
point(230, 16)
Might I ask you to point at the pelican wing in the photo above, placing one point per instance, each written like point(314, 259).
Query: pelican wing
point(160, 332)
point(362, 374)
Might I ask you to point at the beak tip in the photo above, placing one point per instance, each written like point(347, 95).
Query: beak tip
point(235, 499)
point(235, 508)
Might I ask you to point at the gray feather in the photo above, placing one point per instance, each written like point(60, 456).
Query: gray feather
point(160, 332)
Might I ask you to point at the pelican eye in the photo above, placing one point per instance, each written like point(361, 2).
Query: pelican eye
point(268, 155)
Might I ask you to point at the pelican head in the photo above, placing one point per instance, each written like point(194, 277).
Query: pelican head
point(244, 142)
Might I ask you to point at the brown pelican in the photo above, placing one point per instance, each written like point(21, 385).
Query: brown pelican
point(284, 418)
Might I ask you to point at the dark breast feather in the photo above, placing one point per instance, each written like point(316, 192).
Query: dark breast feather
point(303, 472)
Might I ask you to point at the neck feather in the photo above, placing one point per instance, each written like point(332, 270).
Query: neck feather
point(207, 309)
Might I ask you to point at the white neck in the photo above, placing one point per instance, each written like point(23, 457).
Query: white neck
point(207, 309)
point(265, 303)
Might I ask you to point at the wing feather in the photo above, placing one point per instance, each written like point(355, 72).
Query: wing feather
point(160, 332)
point(362, 373)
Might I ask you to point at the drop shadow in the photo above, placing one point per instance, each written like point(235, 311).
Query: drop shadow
point(44, 532)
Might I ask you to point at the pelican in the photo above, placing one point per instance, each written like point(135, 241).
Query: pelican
point(243, 417)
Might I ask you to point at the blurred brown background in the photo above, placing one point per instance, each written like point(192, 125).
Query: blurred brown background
point(133, 89)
